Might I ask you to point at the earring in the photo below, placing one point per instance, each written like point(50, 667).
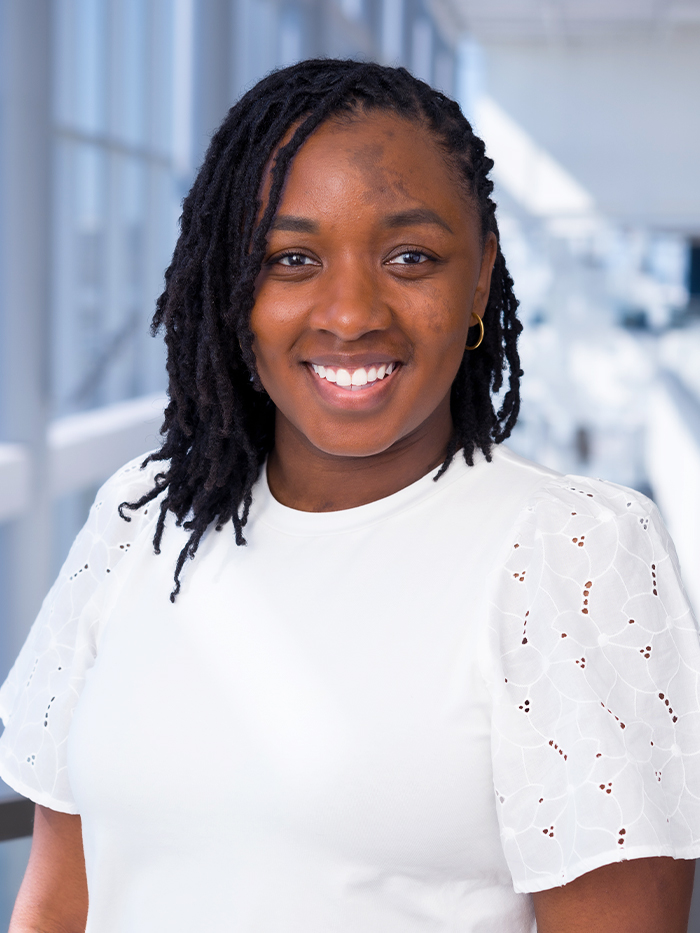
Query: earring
point(481, 335)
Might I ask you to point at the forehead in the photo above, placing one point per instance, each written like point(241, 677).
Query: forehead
point(375, 158)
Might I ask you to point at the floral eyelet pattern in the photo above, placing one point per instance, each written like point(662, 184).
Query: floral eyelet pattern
point(40, 693)
point(591, 636)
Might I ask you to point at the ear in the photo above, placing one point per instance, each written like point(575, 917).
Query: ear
point(483, 287)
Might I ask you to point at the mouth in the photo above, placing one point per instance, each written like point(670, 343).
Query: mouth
point(355, 380)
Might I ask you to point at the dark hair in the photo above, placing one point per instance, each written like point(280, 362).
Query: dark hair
point(219, 423)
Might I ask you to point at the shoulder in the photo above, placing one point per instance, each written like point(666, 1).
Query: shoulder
point(589, 560)
point(577, 513)
point(550, 494)
point(131, 481)
point(128, 485)
point(595, 501)
point(594, 527)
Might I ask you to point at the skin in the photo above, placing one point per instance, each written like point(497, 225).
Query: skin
point(53, 897)
point(349, 207)
point(375, 256)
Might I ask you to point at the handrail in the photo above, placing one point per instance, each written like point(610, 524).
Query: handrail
point(83, 450)
point(16, 817)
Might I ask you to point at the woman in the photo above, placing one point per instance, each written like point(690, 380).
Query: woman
point(440, 687)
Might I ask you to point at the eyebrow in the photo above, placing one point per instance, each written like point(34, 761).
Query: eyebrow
point(410, 218)
point(415, 217)
point(294, 224)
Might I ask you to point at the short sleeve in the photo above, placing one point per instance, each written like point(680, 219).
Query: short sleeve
point(38, 698)
point(595, 669)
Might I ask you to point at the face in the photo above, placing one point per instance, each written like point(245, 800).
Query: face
point(374, 269)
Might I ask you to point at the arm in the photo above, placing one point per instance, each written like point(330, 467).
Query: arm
point(646, 895)
point(53, 897)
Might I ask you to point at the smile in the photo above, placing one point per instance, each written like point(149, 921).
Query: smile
point(358, 378)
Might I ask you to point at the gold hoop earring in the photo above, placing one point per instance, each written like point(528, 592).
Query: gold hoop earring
point(481, 335)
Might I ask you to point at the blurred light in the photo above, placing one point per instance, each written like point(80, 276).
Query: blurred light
point(182, 87)
point(528, 172)
point(422, 58)
point(392, 31)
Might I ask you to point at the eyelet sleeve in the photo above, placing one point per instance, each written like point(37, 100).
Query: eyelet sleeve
point(40, 693)
point(595, 666)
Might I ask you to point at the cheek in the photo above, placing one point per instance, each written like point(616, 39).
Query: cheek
point(445, 308)
point(445, 318)
point(270, 322)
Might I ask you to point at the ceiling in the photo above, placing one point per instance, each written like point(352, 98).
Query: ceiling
point(530, 19)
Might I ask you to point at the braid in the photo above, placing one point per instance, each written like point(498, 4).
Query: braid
point(219, 423)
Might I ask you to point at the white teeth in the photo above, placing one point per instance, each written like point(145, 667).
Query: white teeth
point(355, 379)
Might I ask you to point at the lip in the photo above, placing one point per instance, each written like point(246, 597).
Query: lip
point(362, 399)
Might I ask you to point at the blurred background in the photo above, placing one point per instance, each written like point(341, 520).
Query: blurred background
point(590, 109)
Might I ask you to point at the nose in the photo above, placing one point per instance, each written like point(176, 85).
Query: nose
point(349, 303)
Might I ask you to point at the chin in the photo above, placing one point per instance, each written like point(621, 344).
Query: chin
point(345, 447)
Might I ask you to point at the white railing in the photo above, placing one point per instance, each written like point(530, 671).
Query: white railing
point(83, 450)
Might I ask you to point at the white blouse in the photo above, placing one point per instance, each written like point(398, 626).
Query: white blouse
point(396, 718)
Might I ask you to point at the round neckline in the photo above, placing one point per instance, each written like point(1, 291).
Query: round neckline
point(266, 509)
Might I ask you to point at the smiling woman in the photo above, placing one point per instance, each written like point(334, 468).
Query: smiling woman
point(410, 681)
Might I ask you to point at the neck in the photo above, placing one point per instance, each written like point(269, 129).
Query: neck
point(305, 478)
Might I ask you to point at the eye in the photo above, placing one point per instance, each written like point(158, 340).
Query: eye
point(294, 259)
point(409, 257)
